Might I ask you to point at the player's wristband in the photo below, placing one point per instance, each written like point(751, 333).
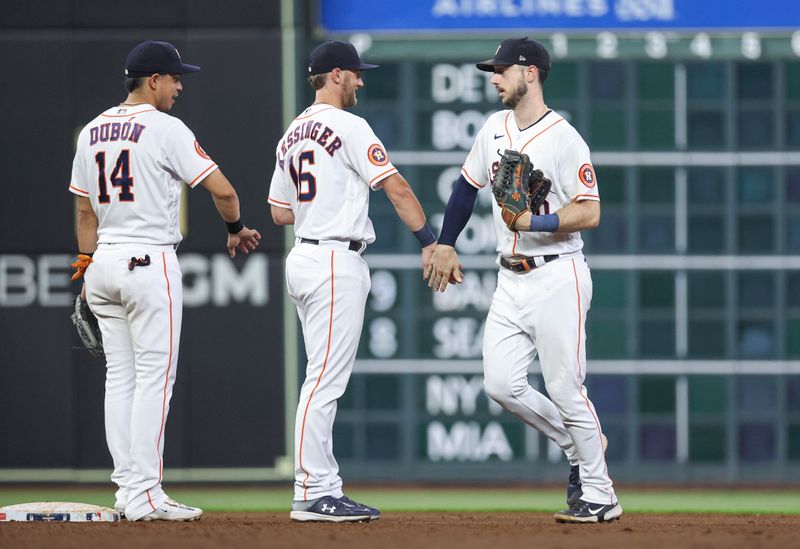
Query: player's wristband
point(235, 227)
point(425, 236)
point(544, 223)
point(90, 254)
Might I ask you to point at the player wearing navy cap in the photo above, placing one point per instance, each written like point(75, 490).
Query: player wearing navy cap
point(130, 165)
point(327, 162)
point(544, 286)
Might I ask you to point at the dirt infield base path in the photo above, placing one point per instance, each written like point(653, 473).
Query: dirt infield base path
point(411, 530)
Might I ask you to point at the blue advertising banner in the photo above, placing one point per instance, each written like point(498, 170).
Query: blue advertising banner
point(419, 15)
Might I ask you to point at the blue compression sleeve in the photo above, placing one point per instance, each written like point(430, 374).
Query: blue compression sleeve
point(547, 223)
point(458, 211)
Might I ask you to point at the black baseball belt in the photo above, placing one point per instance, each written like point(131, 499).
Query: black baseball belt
point(355, 245)
point(525, 264)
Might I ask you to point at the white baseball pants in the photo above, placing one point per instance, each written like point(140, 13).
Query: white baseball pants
point(329, 284)
point(139, 312)
point(544, 311)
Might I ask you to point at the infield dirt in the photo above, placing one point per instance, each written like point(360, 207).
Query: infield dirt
point(411, 530)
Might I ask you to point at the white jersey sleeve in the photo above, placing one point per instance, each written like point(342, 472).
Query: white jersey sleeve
point(475, 168)
point(367, 154)
point(184, 156)
point(576, 172)
point(79, 185)
point(280, 193)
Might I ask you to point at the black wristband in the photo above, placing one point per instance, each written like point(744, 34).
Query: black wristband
point(90, 254)
point(425, 236)
point(235, 227)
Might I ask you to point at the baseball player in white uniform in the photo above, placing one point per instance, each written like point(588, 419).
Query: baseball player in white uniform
point(327, 162)
point(544, 285)
point(130, 164)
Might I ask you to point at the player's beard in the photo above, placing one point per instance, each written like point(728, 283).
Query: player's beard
point(512, 98)
point(349, 98)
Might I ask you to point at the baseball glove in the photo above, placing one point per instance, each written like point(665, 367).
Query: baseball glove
point(517, 187)
point(88, 328)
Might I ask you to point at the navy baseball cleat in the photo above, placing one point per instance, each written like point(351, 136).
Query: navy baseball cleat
point(374, 514)
point(584, 512)
point(574, 486)
point(328, 509)
point(574, 490)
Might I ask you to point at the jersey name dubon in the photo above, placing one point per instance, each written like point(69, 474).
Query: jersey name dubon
point(116, 131)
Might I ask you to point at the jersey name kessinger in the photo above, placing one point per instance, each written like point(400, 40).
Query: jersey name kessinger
point(554, 147)
point(327, 161)
point(131, 162)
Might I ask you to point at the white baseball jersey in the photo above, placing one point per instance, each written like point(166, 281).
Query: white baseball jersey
point(327, 161)
point(557, 296)
point(131, 163)
point(554, 147)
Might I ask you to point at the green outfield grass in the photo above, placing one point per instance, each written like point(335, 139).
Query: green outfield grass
point(233, 499)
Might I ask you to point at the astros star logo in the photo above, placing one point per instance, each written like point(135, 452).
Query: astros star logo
point(377, 155)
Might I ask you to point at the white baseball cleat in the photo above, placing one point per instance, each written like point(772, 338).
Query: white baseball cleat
point(174, 511)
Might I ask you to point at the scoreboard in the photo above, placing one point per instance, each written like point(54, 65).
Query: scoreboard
point(692, 340)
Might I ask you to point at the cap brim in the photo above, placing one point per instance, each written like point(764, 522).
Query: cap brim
point(188, 68)
point(490, 64)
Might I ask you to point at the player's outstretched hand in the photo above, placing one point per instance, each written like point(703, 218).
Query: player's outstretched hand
point(427, 254)
point(246, 240)
point(443, 268)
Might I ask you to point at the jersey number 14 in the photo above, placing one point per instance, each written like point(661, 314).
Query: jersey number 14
point(120, 177)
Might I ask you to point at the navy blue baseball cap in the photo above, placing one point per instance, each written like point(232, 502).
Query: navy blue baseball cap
point(517, 51)
point(153, 57)
point(333, 54)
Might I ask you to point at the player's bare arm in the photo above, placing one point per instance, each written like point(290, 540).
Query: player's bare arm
point(227, 202)
point(282, 216)
point(410, 212)
point(575, 216)
point(85, 225)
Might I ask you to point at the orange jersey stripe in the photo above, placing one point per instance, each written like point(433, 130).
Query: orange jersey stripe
point(469, 177)
point(508, 133)
point(126, 115)
point(204, 172)
point(578, 293)
point(74, 188)
point(166, 378)
point(540, 133)
point(587, 197)
point(580, 380)
point(278, 202)
point(383, 175)
point(308, 403)
point(314, 113)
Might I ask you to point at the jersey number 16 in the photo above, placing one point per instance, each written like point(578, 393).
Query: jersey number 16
point(299, 177)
